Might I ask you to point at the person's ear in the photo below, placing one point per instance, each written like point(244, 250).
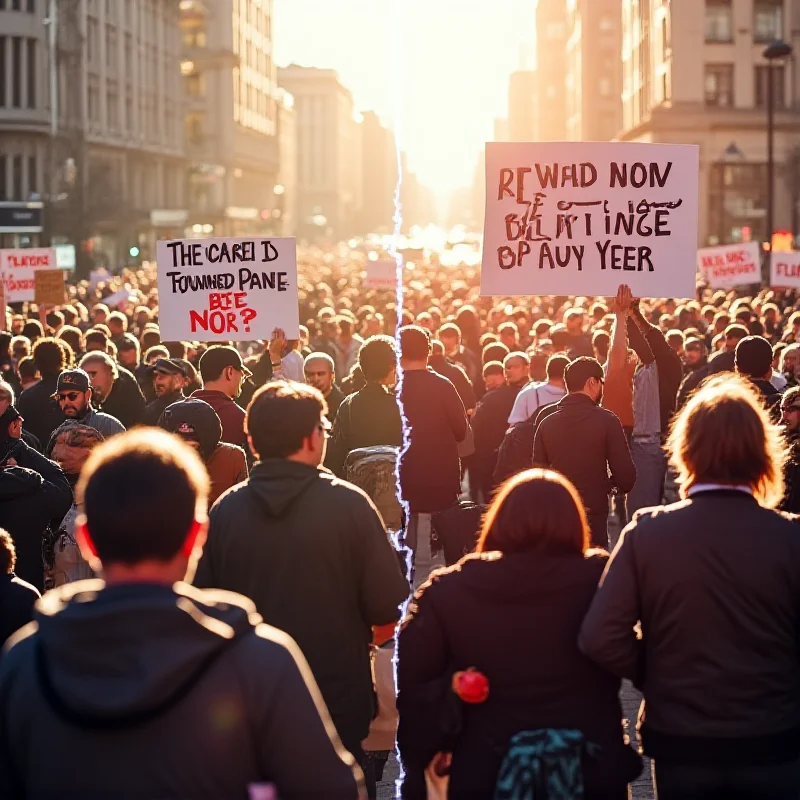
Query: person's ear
point(195, 537)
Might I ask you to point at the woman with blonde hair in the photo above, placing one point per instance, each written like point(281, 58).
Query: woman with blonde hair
point(713, 581)
point(511, 611)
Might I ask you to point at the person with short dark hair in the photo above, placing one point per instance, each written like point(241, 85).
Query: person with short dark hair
point(42, 414)
point(169, 380)
point(537, 395)
point(699, 607)
point(28, 374)
point(224, 374)
point(140, 667)
point(753, 360)
point(495, 611)
point(493, 375)
point(309, 549)
point(370, 416)
point(586, 443)
point(17, 597)
point(455, 373)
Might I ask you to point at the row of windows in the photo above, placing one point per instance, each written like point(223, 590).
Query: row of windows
point(18, 177)
point(719, 86)
point(18, 73)
point(18, 5)
point(767, 20)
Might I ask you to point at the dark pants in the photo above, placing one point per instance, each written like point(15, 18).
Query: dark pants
point(354, 746)
point(693, 782)
point(598, 528)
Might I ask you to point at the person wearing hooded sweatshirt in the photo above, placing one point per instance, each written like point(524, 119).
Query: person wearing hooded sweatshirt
point(34, 494)
point(310, 550)
point(156, 688)
point(199, 426)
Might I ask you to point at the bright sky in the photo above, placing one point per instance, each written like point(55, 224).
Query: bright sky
point(456, 56)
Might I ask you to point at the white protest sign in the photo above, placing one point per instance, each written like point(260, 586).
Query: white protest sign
point(227, 289)
point(730, 265)
point(381, 275)
point(120, 298)
point(98, 276)
point(580, 218)
point(784, 270)
point(18, 267)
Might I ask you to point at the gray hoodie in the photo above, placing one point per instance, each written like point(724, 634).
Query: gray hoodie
point(151, 691)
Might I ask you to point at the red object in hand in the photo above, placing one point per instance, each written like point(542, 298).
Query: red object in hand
point(471, 686)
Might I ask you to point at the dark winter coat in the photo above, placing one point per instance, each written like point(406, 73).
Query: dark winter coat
point(153, 411)
point(125, 401)
point(40, 411)
point(160, 691)
point(17, 599)
point(312, 553)
point(457, 375)
point(515, 618)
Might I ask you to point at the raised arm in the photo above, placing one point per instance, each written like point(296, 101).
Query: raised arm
point(618, 352)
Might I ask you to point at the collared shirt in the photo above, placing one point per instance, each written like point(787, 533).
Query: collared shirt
point(646, 402)
point(531, 398)
point(698, 488)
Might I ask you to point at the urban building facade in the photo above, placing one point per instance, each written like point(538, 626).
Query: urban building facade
point(379, 175)
point(694, 72)
point(551, 67)
point(593, 80)
point(329, 161)
point(523, 107)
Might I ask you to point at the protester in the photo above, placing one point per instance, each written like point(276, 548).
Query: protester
point(127, 668)
point(494, 612)
point(370, 416)
point(17, 598)
point(309, 550)
point(200, 427)
point(74, 396)
point(169, 380)
point(36, 404)
point(586, 444)
point(114, 390)
point(223, 373)
point(320, 372)
point(450, 337)
point(753, 360)
point(534, 396)
point(346, 347)
point(790, 420)
point(713, 582)
point(455, 373)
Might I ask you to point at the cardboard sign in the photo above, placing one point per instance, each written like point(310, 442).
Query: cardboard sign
point(730, 265)
point(580, 218)
point(18, 268)
point(784, 270)
point(381, 275)
point(49, 287)
point(238, 290)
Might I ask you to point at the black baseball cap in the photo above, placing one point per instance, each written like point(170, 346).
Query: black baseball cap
point(75, 380)
point(170, 366)
point(216, 358)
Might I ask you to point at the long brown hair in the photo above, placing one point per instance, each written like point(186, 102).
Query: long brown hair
point(537, 510)
point(724, 435)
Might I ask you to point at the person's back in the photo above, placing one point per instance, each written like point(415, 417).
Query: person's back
point(309, 550)
point(126, 401)
point(17, 597)
point(166, 690)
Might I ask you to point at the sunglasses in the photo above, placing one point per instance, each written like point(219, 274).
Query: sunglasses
point(71, 396)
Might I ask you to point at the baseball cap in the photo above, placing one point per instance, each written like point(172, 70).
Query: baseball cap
point(753, 357)
point(215, 359)
point(75, 380)
point(170, 366)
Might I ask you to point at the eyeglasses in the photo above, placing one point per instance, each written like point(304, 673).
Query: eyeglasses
point(71, 396)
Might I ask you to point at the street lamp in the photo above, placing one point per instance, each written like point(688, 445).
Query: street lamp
point(730, 155)
point(777, 51)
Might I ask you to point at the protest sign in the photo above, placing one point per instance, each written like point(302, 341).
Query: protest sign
point(49, 287)
point(18, 267)
point(784, 270)
point(381, 275)
point(730, 265)
point(580, 218)
point(120, 298)
point(227, 289)
point(98, 276)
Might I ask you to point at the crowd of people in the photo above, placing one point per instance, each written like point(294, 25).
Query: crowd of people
point(215, 544)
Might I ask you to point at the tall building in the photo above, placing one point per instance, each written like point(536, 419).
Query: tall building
point(329, 161)
point(522, 107)
point(695, 73)
point(379, 175)
point(107, 149)
point(232, 116)
point(284, 215)
point(551, 61)
point(594, 71)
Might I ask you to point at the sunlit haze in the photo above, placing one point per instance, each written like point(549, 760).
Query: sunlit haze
point(458, 55)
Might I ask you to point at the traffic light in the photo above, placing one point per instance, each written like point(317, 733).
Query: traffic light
point(134, 252)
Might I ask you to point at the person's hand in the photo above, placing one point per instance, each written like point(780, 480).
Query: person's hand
point(622, 302)
point(277, 344)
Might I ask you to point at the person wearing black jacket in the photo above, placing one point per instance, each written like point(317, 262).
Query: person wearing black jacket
point(790, 420)
point(455, 373)
point(169, 379)
point(753, 360)
point(586, 444)
point(166, 690)
point(115, 390)
point(41, 412)
point(371, 416)
point(713, 581)
point(310, 550)
point(17, 598)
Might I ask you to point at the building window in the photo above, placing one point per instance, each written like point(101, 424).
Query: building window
point(33, 178)
point(3, 40)
point(16, 72)
point(16, 178)
point(719, 21)
point(778, 86)
point(719, 85)
point(31, 6)
point(3, 175)
point(767, 20)
point(31, 43)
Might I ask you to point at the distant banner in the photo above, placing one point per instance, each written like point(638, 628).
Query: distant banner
point(784, 270)
point(212, 290)
point(580, 218)
point(18, 268)
point(381, 275)
point(730, 265)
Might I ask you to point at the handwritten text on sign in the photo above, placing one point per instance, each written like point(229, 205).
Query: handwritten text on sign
point(784, 270)
point(381, 275)
point(227, 289)
point(18, 268)
point(730, 265)
point(583, 217)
